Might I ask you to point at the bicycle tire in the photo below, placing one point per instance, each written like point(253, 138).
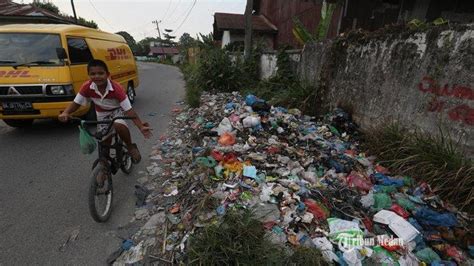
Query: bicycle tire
point(126, 165)
point(97, 215)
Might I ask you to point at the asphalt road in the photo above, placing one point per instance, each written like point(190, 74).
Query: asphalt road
point(44, 180)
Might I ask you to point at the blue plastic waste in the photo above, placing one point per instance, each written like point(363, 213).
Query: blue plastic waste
point(230, 106)
point(252, 99)
point(415, 224)
point(388, 181)
point(427, 216)
point(301, 207)
point(220, 210)
point(336, 165)
point(443, 263)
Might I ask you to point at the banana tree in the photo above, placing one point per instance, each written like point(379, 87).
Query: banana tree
point(303, 35)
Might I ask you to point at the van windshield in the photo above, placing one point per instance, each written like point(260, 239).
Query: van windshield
point(29, 49)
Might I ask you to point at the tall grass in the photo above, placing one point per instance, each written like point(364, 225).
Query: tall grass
point(431, 158)
point(241, 240)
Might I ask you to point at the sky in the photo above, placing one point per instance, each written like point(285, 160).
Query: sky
point(136, 16)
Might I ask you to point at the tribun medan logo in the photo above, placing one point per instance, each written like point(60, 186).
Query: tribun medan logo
point(117, 54)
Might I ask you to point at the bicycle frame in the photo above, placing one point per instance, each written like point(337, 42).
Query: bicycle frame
point(112, 164)
point(104, 154)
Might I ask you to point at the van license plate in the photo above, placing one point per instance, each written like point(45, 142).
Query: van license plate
point(17, 106)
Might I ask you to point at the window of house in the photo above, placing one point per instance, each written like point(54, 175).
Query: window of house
point(79, 52)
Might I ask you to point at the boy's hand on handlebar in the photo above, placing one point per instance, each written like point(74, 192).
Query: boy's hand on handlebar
point(146, 130)
point(64, 117)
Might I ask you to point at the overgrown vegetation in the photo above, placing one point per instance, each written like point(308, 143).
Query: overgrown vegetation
point(224, 70)
point(433, 159)
point(241, 240)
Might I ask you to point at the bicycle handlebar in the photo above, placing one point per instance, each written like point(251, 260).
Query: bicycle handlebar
point(99, 135)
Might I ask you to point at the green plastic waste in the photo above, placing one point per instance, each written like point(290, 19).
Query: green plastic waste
point(406, 204)
point(383, 257)
point(334, 131)
point(408, 181)
point(387, 189)
point(206, 161)
point(87, 142)
point(427, 255)
point(382, 201)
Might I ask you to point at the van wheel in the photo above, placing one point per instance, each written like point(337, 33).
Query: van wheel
point(18, 123)
point(131, 93)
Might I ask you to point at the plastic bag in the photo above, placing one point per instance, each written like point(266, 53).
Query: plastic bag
point(388, 181)
point(382, 201)
point(357, 180)
point(406, 204)
point(224, 126)
point(206, 161)
point(427, 255)
point(319, 211)
point(87, 142)
point(400, 211)
point(427, 216)
point(227, 139)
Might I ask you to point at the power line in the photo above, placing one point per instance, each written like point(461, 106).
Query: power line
point(174, 10)
point(177, 17)
point(97, 11)
point(167, 9)
point(187, 15)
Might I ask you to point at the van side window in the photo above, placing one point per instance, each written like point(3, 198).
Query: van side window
point(79, 52)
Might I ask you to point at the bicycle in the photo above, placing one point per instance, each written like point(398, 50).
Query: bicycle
point(107, 164)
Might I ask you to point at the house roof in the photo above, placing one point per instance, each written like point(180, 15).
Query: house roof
point(164, 50)
point(9, 8)
point(228, 21)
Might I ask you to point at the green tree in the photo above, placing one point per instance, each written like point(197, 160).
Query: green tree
point(186, 41)
point(130, 41)
point(144, 45)
point(55, 9)
point(47, 6)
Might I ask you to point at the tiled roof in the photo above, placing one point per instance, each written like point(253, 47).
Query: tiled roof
point(228, 21)
point(10, 8)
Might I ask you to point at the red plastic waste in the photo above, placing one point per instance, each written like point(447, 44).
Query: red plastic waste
point(390, 247)
point(400, 211)
point(368, 223)
point(230, 158)
point(217, 155)
point(381, 169)
point(455, 253)
point(273, 150)
point(316, 209)
point(357, 180)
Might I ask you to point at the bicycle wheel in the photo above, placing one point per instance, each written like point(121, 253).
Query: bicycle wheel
point(100, 198)
point(127, 165)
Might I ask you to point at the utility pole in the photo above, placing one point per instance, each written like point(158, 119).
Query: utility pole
point(157, 23)
point(248, 30)
point(74, 10)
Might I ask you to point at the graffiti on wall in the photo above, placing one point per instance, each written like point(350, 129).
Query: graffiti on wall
point(462, 113)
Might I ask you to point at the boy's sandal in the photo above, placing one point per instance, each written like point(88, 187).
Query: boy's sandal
point(135, 154)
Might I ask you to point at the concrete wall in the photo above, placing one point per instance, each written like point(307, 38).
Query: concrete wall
point(422, 79)
point(268, 63)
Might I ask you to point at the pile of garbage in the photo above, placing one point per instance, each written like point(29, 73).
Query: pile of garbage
point(307, 181)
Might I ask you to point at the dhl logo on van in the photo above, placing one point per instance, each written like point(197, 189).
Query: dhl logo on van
point(117, 54)
point(16, 74)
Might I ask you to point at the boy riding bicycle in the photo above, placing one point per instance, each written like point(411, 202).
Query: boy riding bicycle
point(110, 101)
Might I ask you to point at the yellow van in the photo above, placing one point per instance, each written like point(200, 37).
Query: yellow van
point(42, 67)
